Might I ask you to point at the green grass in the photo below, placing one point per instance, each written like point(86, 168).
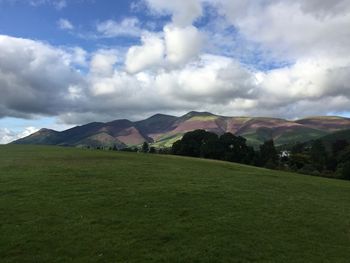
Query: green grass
point(204, 118)
point(167, 141)
point(74, 205)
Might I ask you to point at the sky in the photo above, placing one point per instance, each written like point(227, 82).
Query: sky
point(65, 63)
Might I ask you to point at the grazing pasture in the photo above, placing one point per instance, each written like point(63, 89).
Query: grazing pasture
point(71, 205)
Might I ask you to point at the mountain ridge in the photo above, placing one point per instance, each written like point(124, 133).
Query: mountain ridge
point(162, 130)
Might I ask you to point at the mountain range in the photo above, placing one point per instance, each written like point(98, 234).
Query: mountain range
point(163, 130)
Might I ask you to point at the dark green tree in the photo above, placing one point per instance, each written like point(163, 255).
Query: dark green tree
point(212, 149)
point(298, 148)
point(318, 155)
point(191, 143)
point(145, 147)
point(152, 150)
point(297, 161)
point(268, 154)
point(346, 171)
point(236, 149)
point(177, 148)
point(339, 146)
point(228, 147)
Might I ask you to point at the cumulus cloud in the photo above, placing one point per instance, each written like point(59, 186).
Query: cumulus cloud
point(183, 12)
point(293, 28)
point(103, 61)
point(174, 71)
point(174, 47)
point(182, 44)
point(34, 77)
point(211, 79)
point(65, 24)
point(208, 81)
point(149, 54)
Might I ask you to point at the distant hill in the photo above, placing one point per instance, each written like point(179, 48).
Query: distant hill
point(163, 130)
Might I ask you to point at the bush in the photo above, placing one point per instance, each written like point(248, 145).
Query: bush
point(298, 160)
point(346, 171)
point(145, 147)
point(152, 150)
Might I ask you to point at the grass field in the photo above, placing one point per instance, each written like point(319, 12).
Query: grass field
point(73, 205)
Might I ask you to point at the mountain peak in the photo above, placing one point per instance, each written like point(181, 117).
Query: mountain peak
point(45, 130)
point(160, 115)
point(198, 113)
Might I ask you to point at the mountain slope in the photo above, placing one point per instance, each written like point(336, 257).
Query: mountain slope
point(163, 130)
point(43, 136)
point(118, 133)
point(326, 123)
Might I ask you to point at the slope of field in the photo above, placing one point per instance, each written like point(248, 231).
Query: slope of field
point(73, 205)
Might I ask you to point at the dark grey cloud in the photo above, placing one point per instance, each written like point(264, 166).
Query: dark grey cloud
point(35, 78)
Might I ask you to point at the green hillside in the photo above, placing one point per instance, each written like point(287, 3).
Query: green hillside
point(340, 135)
point(73, 205)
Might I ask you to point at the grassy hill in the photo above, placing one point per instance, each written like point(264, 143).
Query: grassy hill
point(73, 205)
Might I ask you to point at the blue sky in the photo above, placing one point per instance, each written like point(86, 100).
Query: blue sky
point(65, 63)
point(22, 19)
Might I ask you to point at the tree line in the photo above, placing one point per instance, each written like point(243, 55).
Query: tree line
point(316, 158)
point(226, 147)
point(308, 158)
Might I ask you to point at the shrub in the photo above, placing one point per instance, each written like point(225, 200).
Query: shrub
point(346, 170)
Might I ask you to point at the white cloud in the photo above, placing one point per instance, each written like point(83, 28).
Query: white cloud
point(177, 47)
point(308, 80)
point(183, 12)
point(182, 44)
point(102, 62)
point(65, 24)
point(127, 27)
point(216, 83)
point(291, 29)
point(58, 4)
point(7, 136)
point(212, 79)
point(78, 56)
point(148, 55)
